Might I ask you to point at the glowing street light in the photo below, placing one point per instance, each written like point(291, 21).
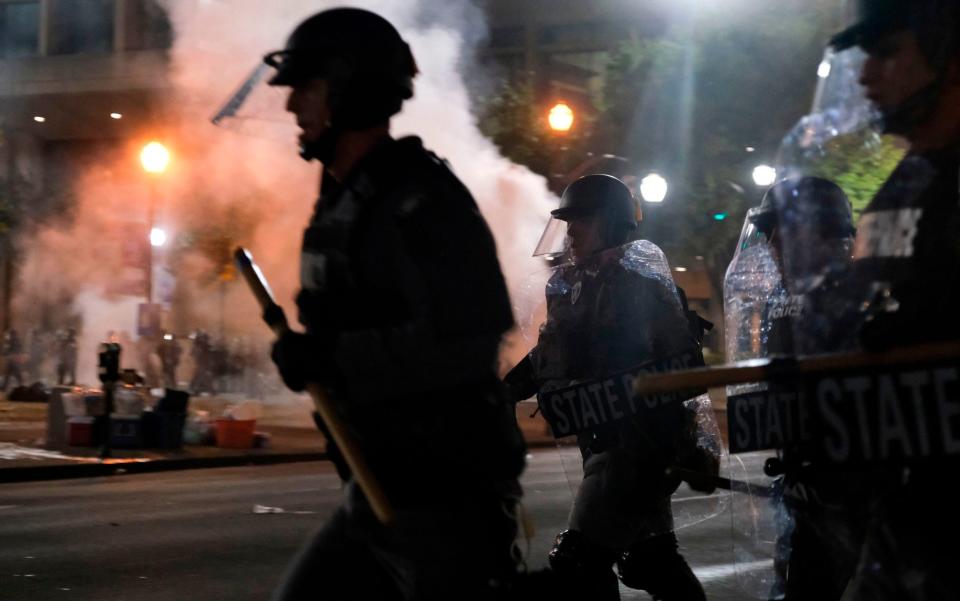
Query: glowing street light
point(154, 157)
point(764, 175)
point(560, 117)
point(823, 70)
point(158, 237)
point(653, 188)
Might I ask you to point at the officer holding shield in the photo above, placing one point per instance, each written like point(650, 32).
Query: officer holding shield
point(404, 306)
point(907, 262)
point(612, 307)
point(806, 225)
point(902, 285)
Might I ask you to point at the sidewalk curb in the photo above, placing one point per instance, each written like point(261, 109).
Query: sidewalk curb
point(91, 470)
point(68, 471)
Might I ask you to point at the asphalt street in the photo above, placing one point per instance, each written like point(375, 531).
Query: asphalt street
point(206, 534)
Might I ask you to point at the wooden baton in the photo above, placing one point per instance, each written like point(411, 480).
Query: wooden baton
point(341, 435)
point(758, 370)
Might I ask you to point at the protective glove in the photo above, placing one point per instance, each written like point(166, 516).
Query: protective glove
point(520, 382)
point(333, 451)
point(296, 358)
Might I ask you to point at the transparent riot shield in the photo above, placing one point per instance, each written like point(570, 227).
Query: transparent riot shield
point(789, 534)
point(839, 142)
point(753, 290)
point(752, 277)
point(758, 526)
point(592, 325)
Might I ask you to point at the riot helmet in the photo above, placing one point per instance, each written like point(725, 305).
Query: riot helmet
point(592, 196)
point(367, 66)
point(936, 27)
point(811, 222)
point(815, 201)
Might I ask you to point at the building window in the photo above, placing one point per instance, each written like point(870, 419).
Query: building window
point(19, 29)
point(148, 26)
point(81, 26)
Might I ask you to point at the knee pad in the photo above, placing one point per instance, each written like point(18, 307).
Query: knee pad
point(572, 553)
point(656, 566)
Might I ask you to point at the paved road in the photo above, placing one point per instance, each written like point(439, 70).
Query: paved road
point(195, 535)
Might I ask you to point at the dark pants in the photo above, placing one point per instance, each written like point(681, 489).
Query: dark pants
point(911, 551)
point(822, 558)
point(13, 371)
point(66, 374)
point(458, 551)
point(623, 509)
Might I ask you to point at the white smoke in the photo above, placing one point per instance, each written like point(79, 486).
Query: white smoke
point(218, 43)
point(255, 189)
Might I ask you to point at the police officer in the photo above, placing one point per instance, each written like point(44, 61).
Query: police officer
point(38, 351)
point(808, 226)
point(404, 306)
point(202, 355)
point(67, 357)
point(13, 358)
point(613, 307)
point(169, 351)
point(905, 277)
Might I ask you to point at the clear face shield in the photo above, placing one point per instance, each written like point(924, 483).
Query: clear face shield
point(800, 268)
point(258, 109)
point(839, 141)
point(555, 241)
point(841, 124)
point(563, 313)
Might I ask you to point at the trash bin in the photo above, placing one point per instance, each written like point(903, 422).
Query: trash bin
point(173, 401)
point(57, 419)
point(235, 433)
point(126, 431)
point(80, 431)
point(163, 429)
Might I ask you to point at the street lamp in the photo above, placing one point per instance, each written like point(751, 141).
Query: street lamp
point(154, 158)
point(560, 117)
point(653, 188)
point(764, 175)
point(158, 237)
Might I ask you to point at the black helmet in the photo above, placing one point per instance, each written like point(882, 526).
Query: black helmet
point(369, 66)
point(936, 26)
point(598, 193)
point(809, 200)
point(935, 22)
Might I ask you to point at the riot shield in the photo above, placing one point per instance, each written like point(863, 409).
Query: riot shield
point(752, 278)
point(803, 525)
point(598, 323)
point(753, 291)
point(839, 142)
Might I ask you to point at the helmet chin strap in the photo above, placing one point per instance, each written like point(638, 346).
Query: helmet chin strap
point(914, 110)
point(322, 148)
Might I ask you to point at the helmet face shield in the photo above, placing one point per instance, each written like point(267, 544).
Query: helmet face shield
point(555, 240)
point(841, 115)
point(842, 142)
point(258, 108)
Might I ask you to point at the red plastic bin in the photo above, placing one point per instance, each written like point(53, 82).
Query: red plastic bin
point(235, 433)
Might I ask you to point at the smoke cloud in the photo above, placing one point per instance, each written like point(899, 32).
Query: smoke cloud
point(224, 188)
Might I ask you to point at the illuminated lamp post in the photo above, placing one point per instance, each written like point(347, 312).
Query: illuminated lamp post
point(154, 158)
point(560, 118)
point(653, 188)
